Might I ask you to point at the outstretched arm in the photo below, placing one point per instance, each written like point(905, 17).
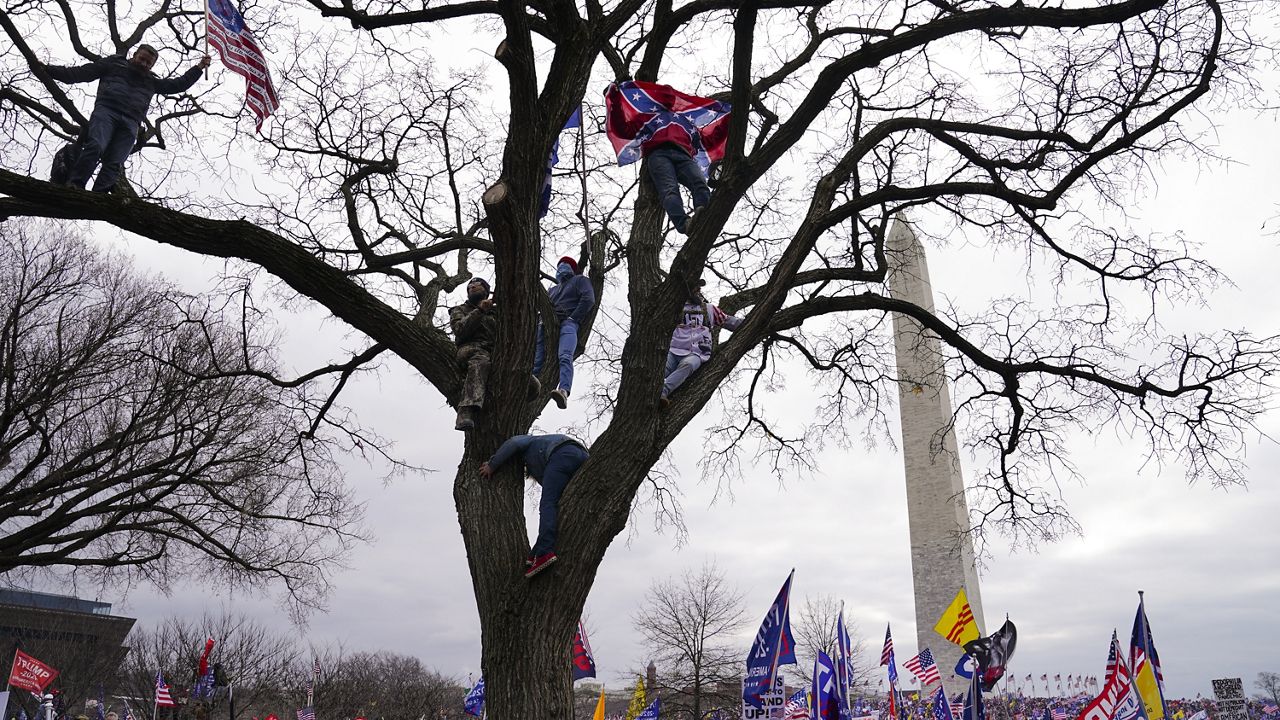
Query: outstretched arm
point(77, 74)
point(182, 83)
point(513, 445)
point(725, 320)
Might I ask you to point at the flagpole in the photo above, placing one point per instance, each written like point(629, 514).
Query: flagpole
point(206, 36)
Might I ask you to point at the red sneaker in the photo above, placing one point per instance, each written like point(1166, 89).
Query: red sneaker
point(540, 563)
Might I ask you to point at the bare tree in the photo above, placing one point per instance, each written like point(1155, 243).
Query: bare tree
point(387, 685)
point(1269, 684)
point(689, 628)
point(395, 186)
point(131, 445)
point(814, 627)
point(255, 661)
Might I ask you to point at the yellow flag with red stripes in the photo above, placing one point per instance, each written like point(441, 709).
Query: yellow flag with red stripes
point(957, 624)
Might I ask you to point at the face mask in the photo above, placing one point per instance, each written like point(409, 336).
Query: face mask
point(563, 272)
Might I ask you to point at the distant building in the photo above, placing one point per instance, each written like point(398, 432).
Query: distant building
point(58, 628)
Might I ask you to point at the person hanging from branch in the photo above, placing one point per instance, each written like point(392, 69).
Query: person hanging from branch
point(125, 90)
point(551, 460)
point(678, 135)
point(692, 341)
point(574, 299)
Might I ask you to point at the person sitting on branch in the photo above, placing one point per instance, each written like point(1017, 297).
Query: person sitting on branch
point(692, 341)
point(475, 329)
point(125, 89)
point(551, 460)
point(677, 134)
point(574, 299)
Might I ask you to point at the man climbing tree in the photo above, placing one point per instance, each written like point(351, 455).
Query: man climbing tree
point(393, 182)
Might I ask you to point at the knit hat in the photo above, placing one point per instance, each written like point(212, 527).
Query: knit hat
point(572, 263)
point(480, 280)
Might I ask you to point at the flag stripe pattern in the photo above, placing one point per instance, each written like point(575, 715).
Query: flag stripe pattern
point(163, 697)
point(923, 667)
point(307, 713)
point(240, 53)
point(797, 707)
point(957, 629)
point(886, 655)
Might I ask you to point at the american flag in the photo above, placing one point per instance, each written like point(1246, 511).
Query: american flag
point(163, 698)
point(886, 655)
point(240, 53)
point(797, 707)
point(307, 713)
point(1059, 714)
point(923, 667)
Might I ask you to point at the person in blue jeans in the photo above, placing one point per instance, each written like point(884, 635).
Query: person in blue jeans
point(125, 89)
point(550, 460)
point(670, 166)
point(574, 299)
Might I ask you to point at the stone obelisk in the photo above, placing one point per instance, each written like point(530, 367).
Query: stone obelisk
point(941, 552)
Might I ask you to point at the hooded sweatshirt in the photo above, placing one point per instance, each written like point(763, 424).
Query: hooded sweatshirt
point(572, 296)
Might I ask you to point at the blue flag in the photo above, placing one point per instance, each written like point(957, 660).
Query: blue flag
point(844, 665)
point(774, 646)
point(651, 712)
point(102, 704)
point(575, 120)
point(941, 708)
point(973, 702)
point(964, 668)
point(474, 703)
point(826, 701)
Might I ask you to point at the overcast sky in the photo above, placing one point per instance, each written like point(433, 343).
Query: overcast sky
point(1206, 557)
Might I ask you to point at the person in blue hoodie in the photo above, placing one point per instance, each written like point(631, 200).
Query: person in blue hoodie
point(551, 460)
point(574, 299)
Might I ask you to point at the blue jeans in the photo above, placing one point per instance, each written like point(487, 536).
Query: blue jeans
point(564, 462)
point(679, 368)
point(108, 139)
point(670, 167)
point(568, 344)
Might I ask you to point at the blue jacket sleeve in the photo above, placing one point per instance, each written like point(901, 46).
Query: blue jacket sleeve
point(586, 299)
point(513, 445)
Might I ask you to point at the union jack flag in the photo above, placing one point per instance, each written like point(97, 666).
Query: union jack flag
point(638, 111)
point(240, 53)
point(923, 667)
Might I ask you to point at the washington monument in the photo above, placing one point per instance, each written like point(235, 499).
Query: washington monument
point(941, 553)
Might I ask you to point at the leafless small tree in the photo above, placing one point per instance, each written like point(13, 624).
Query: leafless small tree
point(137, 441)
point(814, 627)
point(255, 660)
point(387, 685)
point(1269, 684)
point(689, 627)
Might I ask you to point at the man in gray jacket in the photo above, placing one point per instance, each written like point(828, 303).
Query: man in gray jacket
point(125, 89)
